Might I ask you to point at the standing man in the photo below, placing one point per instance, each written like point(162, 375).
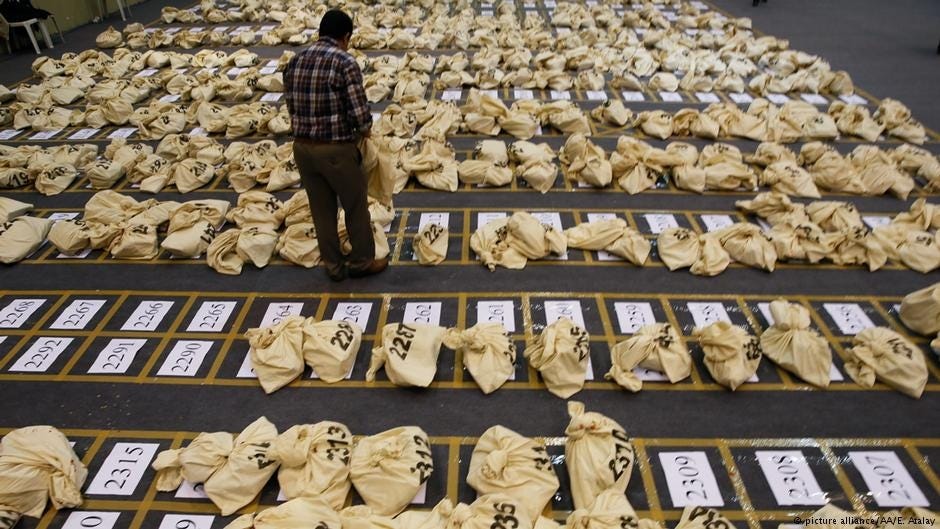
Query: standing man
point(330, 114)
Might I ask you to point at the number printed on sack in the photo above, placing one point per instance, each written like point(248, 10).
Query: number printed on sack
point(344, 336)
point(424, 467)
point(187, 521)
point(78, 314)
point(123, 469)
point(212, 316)
point(147, 316)
point(14, 315)
point(505, 516)
point(690, 479)
point(887, 479)
point(41, 355)
point(185, 358)
point(713, 519)
point(117, 356)
point(402, 341)
point(338, 441)
point(91, 520)
point(623, 454)
point(790, 477)
point(541, 459)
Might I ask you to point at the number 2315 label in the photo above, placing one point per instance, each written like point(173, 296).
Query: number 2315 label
point(122, 470)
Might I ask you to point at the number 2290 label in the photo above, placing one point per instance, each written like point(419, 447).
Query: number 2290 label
point(185, 358)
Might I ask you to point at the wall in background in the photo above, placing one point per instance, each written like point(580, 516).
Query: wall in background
point(74, 13)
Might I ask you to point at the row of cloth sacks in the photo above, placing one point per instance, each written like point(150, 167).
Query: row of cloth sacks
point(203, 85)
point(156, 120)
point(763, 121)
point(136, 38)
point(820, 230)
point(317, 464)
point(324, 461)
point(124, 63)
point(561, 353)
point(182, 160)
point(920, 312)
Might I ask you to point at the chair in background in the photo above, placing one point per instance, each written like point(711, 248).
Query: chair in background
point(122, 5)
point(22, 14)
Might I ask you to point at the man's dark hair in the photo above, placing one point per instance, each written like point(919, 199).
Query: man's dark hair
point(335, 24)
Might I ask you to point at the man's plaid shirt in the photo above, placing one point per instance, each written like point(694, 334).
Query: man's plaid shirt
point(325, 96)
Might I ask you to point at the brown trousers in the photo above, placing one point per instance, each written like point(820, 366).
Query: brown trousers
point(328, 171)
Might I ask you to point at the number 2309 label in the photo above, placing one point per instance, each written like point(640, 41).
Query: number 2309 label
point(690, 479)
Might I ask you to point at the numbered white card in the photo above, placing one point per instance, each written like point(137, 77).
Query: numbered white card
point(149, 72)
point(41, 355)
point(790, 477)
point(716, 222)
point(91, 520)
point(441, 219)
point(354, 312)
point(187, 521)
point(707, 313)
point(660, 222)
point(491, 93)
point(423, 312)
point(485, 217)
point(814, 99)
point(633, 95)
point(502, 311)
point(887, 479)
point(571, 309)
point(741, 98)
point(873, 221)
point(707, 97)
point(18, 311)
point(563, 95)
point(147, 316)
point(596, 95)
point(246, 370)
point(671, 97)
point(170, 98)
point(212, 316)
point(854, 99)
point(123, 469)
point(631, 315)
point(117, 356)
point(779, 99)
point(276, 312)
point(9, 134)
point(451, 95)
point(272, 97)
point(648, 375)
point(125, 133)
point(690, 479)
point(523, 94)
point(45, 135)
point(78, 314)
point(185, 358)
point(189, 491)
point(849, 317)
point(84, 134)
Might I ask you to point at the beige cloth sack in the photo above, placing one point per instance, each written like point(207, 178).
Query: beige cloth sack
point(788, 178)
point(363, 517)
point(104, 174)
point(22, 236)
point(70, 237)
point(677, 248)
point(300, 513)
point(37, 465)
point(54, 179)
point(233, 469)
point(487, 351)
point(431, 244)
point(10, 209)
point(489, 243)
point(409, 353)
point(491, 511)
point(588, 163)
point(298, 245)
point(791, 344)
point(506, 463)
point(834, 216)
point(221, 255)
point(560, 354)
point(539, 174)
point(919, 251)
point(136, 242)
point(599, 455)
point(609, 509)
point(330, 347)
point(775, 208)
point(109, 38)
point(193, 227)
point(655, 123)
point(920, 310)
point(191, 174)
point(656, 347)
point(613, 112)
point(436, 518)
point(257, 208)
point(712, 259)
point(882, 353)
point(747, 244)
point(484, 172)
point(388, 468)
point(13, 177)
point(378, 164)
point(276, 352)
point(731, 354)
point(534, 240)
point(256, 244)
point(613, 236)
point(702, 518)
point(315, 462)
point(804, 241)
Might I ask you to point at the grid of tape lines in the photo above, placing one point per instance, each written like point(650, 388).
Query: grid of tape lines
point(175, 338)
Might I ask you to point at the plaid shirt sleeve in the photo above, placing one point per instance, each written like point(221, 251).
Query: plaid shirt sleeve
point(359, 104)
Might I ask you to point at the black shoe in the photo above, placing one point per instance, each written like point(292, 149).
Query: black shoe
point(376, 266)
point(338, 276)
